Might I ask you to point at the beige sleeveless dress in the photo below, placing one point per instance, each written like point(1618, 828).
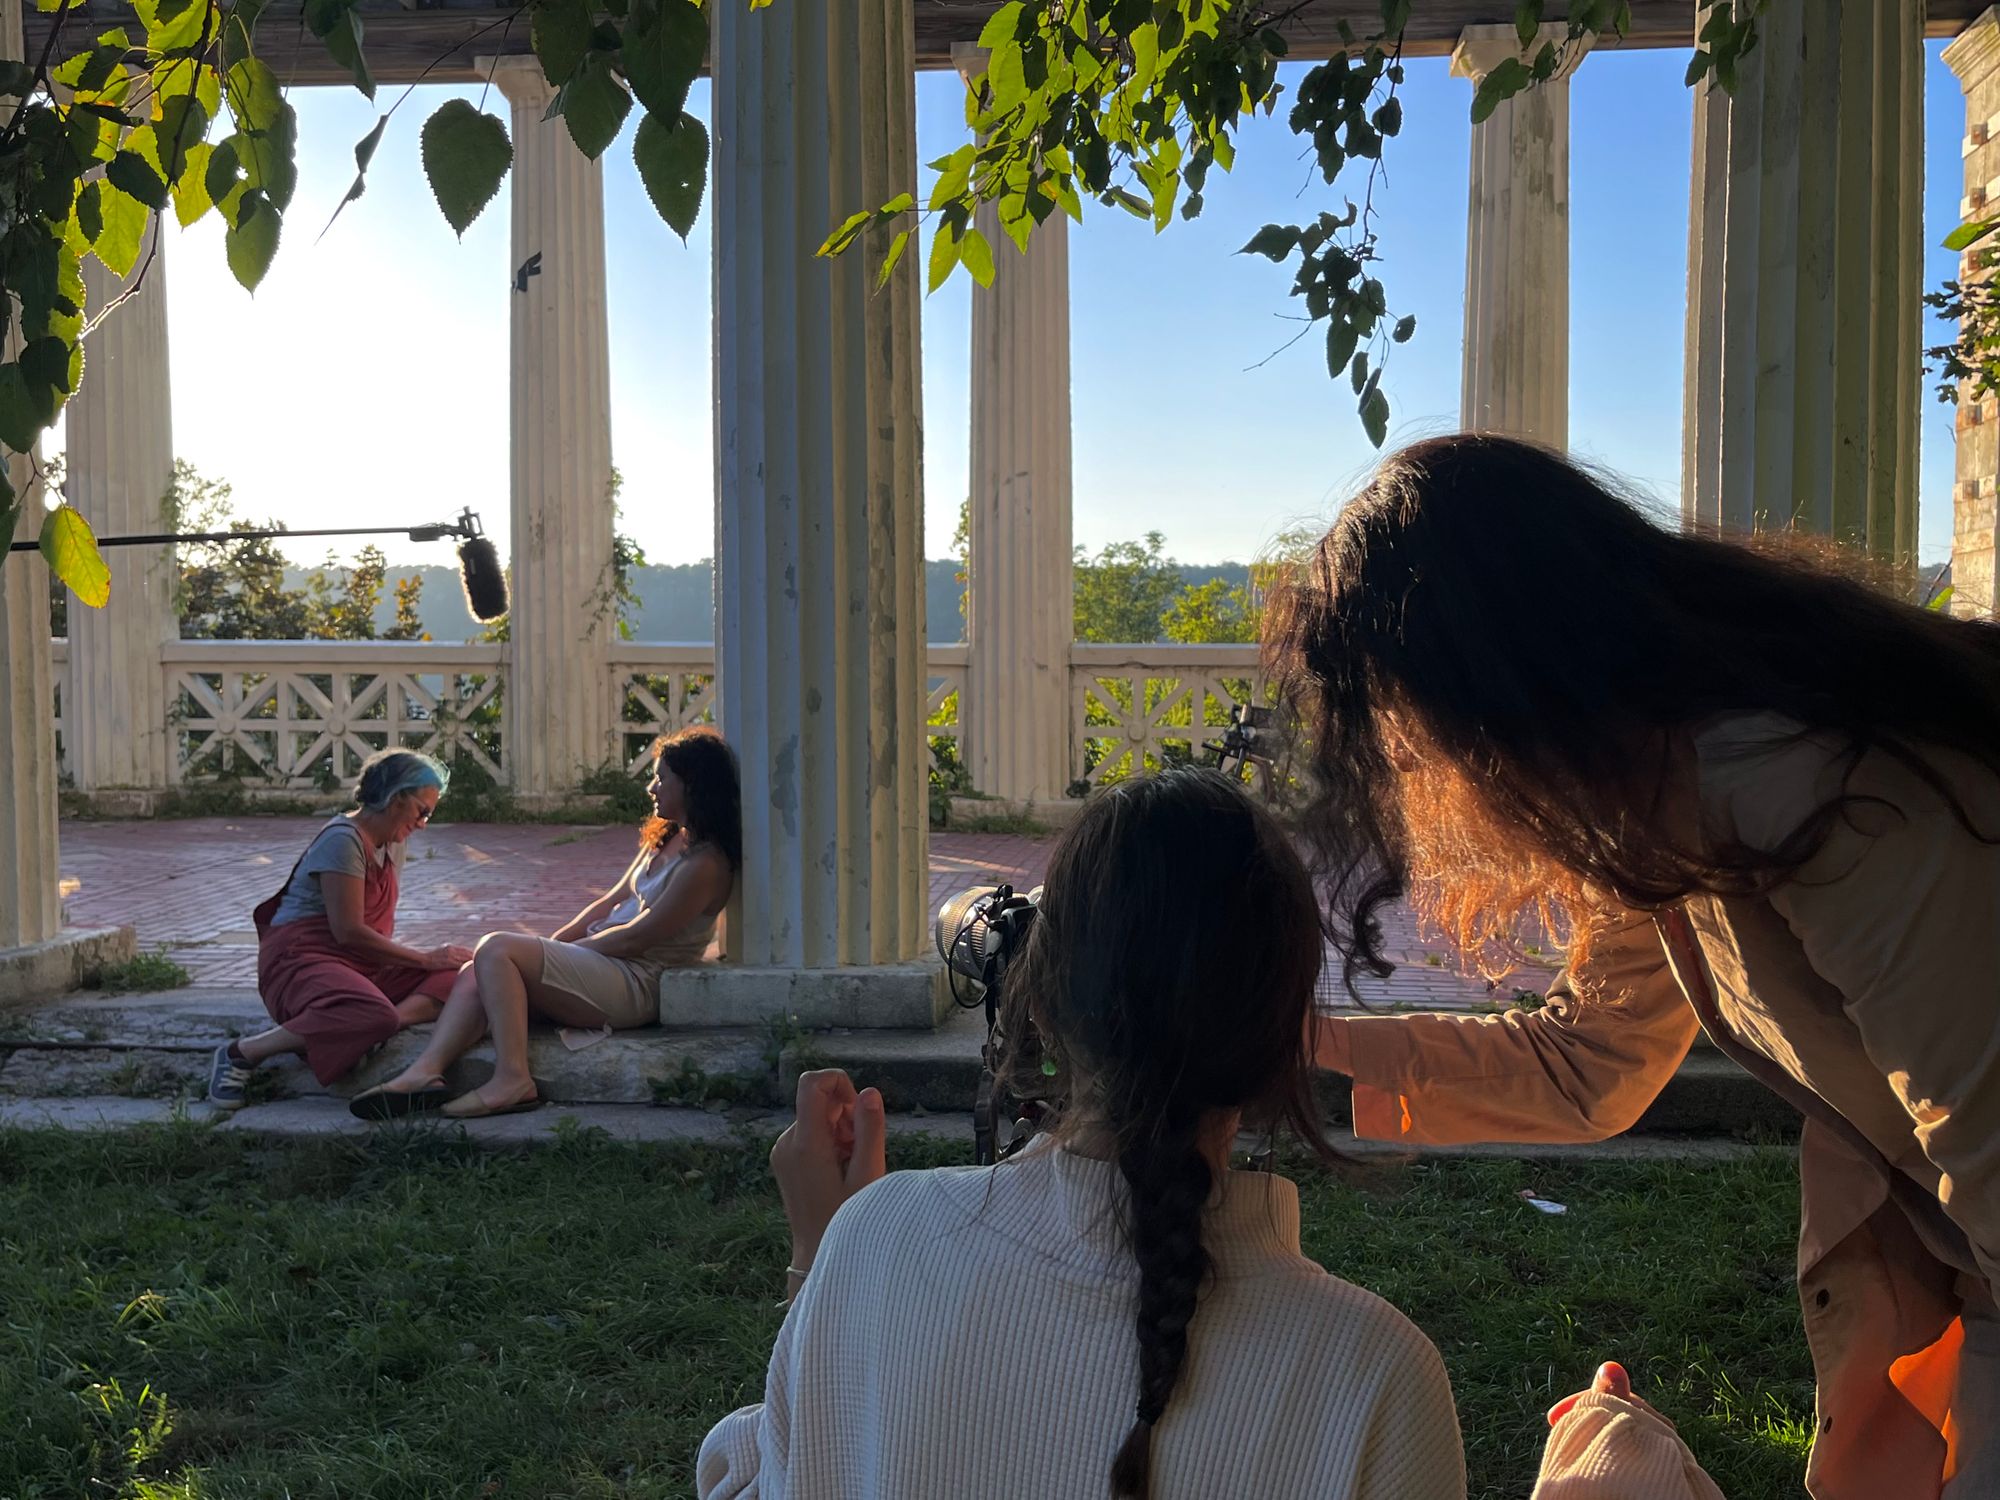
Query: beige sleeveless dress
point(626, 991)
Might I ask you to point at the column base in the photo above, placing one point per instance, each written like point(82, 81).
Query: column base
point(41, 971)
point(894, 996)
point(1047, 817)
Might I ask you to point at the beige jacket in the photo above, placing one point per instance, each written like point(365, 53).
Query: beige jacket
point(1865, 990)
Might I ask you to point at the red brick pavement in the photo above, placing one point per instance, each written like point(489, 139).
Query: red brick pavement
point(189, 886)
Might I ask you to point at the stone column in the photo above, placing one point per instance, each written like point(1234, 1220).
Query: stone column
point(120, 465)
point(1516, 378)
point(1974, 55)
point(820, 645)
point(1020, 604)
point(1805, 278)
point(38, 956)
point(559, 718)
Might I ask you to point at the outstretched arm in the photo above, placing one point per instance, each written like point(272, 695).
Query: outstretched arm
point(579, 924)
point(698, 886)
point(1582, 1068)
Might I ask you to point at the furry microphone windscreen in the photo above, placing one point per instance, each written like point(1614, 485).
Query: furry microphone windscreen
point(484, 579)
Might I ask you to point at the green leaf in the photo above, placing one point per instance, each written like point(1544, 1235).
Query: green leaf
point(465, 153)
point(169, 24)
point(1273, 241)
point(1002, 26)
point(338, 24)
point(222, 180)
point(1404, 328)
point(364, 153)
point(23, 414)
point(191, 199)
point(1375, 416)
point(268, 158)
point(129, 173)
point(1697, 66)
point(182, 124)
point(673, 165)
point(1967, 235)
point(117, 243)
point(71, 549)
point(842, 237)
point(1358, 372)
point(665, 43)
point(895, 254)
point(1389, 118)
point(977, 256)
point(1340, 341)
point(944, 256)
point(255, 100)
point(1509, 76)
point(45, 364)
point(252, 243)
point(561, 37)
point(954, 175)
point(594, 106)
point(90, 212)
point(1395, 16)
point(1527, 21)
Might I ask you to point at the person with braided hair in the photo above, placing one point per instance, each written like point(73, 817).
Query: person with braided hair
point(1113, 1310)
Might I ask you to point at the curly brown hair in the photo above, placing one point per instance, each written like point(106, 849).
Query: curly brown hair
point(706, 765)
point(1495, 661)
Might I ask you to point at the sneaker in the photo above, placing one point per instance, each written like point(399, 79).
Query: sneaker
point(228, 1080)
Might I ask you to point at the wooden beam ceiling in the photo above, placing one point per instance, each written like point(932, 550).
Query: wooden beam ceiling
point(443, 40)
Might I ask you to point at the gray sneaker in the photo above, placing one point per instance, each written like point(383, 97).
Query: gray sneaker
point(228, 1080)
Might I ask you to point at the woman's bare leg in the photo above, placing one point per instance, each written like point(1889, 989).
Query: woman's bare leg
point(509, 970)
point(461, 1023)
point(267, 1044)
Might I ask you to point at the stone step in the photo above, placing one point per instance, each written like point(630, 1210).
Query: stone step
point(1709, 1095)
point(158, 1047)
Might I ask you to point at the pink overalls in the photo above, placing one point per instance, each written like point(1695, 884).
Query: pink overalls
point(340, 1002)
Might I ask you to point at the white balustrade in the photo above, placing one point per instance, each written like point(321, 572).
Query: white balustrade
point(1145, 706)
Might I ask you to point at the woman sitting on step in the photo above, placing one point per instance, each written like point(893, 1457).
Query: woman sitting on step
point(1113, 1309)
point(329, 968)
point(602, 968)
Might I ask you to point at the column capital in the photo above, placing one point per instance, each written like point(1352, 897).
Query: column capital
point(1974, 54)
point(520, 78)
point(969, 58)
point(1481, 49)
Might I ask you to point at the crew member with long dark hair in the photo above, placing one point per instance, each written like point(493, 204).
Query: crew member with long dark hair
point(603, 967)
point(1752, 793)
point(1113, 1309)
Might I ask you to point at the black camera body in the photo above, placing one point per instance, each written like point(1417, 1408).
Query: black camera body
point(980, 932)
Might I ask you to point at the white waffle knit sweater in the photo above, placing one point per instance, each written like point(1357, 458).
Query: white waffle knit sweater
point(968, 1333)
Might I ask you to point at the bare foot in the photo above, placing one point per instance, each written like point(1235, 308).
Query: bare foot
point(491, 1098)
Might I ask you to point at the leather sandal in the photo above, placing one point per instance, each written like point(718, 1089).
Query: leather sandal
point(385, 1103)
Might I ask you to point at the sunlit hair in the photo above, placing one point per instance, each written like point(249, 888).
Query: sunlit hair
point(712, 790)
point(1495, 662)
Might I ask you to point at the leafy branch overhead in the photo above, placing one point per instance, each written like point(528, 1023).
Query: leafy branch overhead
point(1123, 102)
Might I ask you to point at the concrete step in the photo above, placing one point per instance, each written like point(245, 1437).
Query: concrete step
point(1709, 1095)
point(158, 1047)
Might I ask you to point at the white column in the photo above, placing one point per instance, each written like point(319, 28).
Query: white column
point(1805, 278)
point(1974, 55)
point(30, 909)
point(1516, 372)
point(120, 464)
point(819, 509)
point(1020, 604)
point(559, 718)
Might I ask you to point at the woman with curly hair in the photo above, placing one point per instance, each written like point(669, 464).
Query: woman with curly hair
point(602, 968)
point(1752, 794)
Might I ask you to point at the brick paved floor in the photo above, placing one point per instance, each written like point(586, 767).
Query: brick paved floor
point(189, 886)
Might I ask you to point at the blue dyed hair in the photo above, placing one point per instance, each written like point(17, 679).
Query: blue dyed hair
point(387, 774)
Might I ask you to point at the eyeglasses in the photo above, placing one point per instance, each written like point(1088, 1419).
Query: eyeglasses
point(424, 815)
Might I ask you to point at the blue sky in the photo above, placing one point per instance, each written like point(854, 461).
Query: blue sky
point(367, 378)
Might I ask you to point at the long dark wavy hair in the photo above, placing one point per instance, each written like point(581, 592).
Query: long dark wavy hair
point(714, 792)
point(1492, 657)
point(1169, 973)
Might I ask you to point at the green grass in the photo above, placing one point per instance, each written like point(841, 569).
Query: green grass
point(197, 1316)
point(138, 974)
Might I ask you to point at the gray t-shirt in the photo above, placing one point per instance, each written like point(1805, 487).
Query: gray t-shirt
point(339, 848)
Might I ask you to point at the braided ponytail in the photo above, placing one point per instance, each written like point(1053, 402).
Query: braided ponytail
point(1170, 1182)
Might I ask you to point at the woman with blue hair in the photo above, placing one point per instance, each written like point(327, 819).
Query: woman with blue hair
point(329, 968)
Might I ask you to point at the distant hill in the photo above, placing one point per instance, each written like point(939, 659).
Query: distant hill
point(676, 603)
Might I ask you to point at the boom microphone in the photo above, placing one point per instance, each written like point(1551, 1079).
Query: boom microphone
point(485, 581)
